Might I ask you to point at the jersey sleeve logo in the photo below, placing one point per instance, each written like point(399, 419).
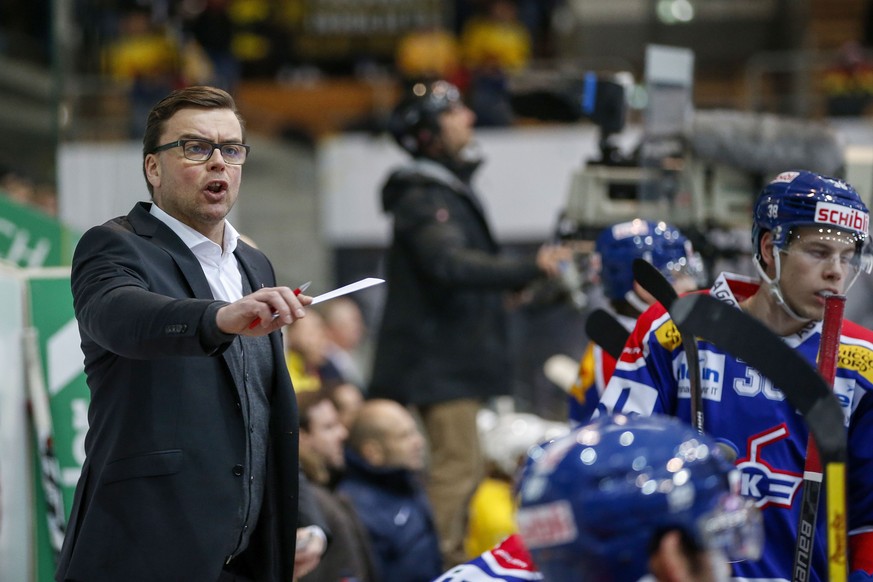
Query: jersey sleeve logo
point(858, 359)
point(668, 336)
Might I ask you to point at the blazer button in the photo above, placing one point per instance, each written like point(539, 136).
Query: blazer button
point(238, 470)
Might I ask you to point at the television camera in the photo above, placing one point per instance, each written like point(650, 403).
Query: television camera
point(698, 170)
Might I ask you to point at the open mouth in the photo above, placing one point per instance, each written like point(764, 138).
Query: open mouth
point(216, 187)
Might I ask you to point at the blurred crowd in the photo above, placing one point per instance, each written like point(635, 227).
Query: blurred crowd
point(365, 458)
point(152, 47)
point(24, 190)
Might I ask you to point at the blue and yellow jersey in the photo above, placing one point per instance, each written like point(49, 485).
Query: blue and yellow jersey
point(746, 411)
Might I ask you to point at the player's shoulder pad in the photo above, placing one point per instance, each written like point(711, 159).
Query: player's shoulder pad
point(509, 561)
point(852, 330)
point(657, 322)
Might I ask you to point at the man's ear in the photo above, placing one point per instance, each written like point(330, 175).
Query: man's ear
point(668, 562)
point(152, 170)
point(767, 251)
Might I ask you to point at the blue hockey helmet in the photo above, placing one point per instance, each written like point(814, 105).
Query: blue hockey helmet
point(656, 242)
point(802, 198)
point(593, 502)
point(806, 199)
point(415, 120)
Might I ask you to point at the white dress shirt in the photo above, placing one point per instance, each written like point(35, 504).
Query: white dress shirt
point(219, 264)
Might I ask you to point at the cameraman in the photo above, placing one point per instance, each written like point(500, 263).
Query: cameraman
point(443, 344)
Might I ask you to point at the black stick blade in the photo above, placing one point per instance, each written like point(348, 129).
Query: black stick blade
point(750, 340)
point(651, 279)
point(605, 330)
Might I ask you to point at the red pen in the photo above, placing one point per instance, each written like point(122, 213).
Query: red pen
point(297, 291)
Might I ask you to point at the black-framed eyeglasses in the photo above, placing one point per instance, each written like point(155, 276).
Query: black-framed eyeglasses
point(200, 150)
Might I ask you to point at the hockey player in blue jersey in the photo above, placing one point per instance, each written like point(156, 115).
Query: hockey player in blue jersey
point(809, 232)
point(620, 498)
point(616, 247)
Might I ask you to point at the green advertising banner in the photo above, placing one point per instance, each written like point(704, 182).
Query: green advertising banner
point(63, 382)
point(16, 483)
point(30, 238)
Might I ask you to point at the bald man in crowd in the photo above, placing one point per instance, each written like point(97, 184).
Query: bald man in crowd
point(384, 457)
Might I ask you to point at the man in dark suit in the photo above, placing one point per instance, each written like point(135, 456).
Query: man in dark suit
point(191, 470)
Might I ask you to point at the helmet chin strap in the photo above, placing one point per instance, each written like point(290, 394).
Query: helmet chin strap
point(774, 287)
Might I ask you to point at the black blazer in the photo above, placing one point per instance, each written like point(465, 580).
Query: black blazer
point(159, 497)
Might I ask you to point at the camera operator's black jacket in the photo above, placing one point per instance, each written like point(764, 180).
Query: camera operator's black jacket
point(444, 331)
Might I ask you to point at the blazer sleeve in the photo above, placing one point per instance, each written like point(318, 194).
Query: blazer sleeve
point(130, 299)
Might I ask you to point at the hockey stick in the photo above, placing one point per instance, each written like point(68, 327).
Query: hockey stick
point(651, 279)
point(42, 424)
point(604, 329)
point(828, 355)
point(750, 340)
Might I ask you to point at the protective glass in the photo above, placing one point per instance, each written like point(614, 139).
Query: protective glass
point(821, 246)
point(688, 267)
point(199, 150)
point(734, 527)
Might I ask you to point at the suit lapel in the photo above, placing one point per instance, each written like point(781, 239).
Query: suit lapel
point(249, 259)
point(146, 225)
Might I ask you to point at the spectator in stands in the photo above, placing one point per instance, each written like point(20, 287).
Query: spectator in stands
point(146, 58)
point(345, 330)
point(213, 30)
point(385, 455)
point(259, 40)
point(494, 45)
point(848, 83)
point(305, 353)
point(347, 398)
point(322, 436)
point(505, 445)
point(16, 186)
point(22, 189)
point(537, 16)
point(428, 54)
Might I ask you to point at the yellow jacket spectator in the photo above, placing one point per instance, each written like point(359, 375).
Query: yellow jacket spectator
point(496, 40)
